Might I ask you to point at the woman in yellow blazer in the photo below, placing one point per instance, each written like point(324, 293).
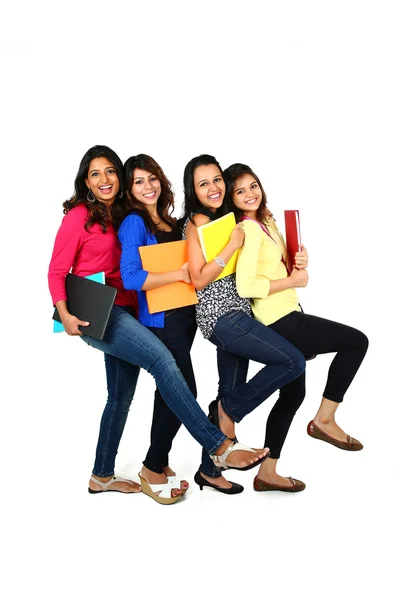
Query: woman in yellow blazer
point(263, 277)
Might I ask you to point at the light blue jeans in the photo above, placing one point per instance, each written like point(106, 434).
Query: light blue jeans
point(127, 346)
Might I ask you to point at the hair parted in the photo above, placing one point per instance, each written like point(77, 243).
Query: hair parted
point(192, 205)
point(231, 175)
point(165, 203)
point(97, 210)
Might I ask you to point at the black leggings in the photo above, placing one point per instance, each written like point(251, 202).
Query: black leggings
point(313, 335)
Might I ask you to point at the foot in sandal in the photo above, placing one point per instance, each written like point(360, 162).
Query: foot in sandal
point(113, 483)
point(159, 487)
point(181, 483)
point(232, 455)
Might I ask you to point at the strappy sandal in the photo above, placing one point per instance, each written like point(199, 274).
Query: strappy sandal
point(165, 489)
point(220, 461)
point(106, 484)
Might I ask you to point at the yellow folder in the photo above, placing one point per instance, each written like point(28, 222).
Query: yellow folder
point(214, 236)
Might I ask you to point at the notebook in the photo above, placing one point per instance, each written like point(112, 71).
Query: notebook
point(90, 300)
point(293, 237)
point(214, 236)
point(159, 258)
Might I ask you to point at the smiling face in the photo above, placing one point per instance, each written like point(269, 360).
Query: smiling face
point(103, 180)
point(146, 187)
point(247, 195)
point(209, 186)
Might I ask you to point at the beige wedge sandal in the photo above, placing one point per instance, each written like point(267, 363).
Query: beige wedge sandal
point(165, 489)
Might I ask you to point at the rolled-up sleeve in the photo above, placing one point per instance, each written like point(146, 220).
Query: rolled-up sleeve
point(132, 234)
point(250, 283)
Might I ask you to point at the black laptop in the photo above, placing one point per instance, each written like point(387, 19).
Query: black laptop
point(89, 301)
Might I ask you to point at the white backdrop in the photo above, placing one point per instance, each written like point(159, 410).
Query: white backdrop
point(307, 94)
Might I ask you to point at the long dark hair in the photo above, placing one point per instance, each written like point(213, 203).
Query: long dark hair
point(97, 210)
point(231, 175)
point(165, 203)
point(192, 205)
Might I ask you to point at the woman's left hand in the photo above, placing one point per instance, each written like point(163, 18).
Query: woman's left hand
point(301, 258)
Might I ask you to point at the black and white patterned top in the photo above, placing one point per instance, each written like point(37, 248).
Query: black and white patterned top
point(216, 299)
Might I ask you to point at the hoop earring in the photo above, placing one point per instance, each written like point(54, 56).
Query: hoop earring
point(90, 196)
point(121, 193)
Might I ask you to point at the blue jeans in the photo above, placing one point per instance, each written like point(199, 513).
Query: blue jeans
point(127, 346)
point(240, 338)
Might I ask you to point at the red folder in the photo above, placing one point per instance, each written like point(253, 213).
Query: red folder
point(167, 257)
point(293, 237)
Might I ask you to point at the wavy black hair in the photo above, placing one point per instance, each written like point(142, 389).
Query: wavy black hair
point(97, 210)
point(192, 205)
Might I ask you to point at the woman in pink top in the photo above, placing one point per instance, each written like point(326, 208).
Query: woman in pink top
point(87, 243)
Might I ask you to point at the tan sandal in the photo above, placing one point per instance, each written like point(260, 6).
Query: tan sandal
point(165, 489)
point(106, 484)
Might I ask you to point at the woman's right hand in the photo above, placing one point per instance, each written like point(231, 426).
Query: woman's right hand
point(237, 236)
point(185, 273)
point(71, 324)
point(298, 278)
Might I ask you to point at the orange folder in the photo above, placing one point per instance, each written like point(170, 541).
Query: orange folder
point(159, 258)
point(293, 237)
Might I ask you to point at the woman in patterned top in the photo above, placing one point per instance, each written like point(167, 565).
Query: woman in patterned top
point(225, 319)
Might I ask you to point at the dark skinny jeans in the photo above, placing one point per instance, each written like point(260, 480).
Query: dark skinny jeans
point(240, 338)
point(177, 335)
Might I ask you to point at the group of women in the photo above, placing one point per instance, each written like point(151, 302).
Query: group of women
point(251, 315)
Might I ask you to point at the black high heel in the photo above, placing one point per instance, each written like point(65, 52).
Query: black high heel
point(201, 482)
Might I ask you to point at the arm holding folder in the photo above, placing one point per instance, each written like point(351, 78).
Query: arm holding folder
point(158, 270)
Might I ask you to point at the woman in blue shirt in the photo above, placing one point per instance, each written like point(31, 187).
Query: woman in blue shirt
point(152, 200)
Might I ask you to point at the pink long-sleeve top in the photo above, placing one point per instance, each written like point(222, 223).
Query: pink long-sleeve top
point(87, 252)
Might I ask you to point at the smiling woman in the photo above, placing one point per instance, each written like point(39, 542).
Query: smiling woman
point(102, 181)
point(225, 319)
point(264, 278)
point(87, 243)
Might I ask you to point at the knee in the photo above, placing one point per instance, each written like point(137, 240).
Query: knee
point(362, 341)
point(298, 363)
point(119, 401)
point(165, 364)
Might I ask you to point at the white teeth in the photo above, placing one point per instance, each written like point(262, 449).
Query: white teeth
point(214, 197)
point(105, 187)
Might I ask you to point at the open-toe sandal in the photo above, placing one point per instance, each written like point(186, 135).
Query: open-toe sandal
point(220, 461)
point(165, 489)
point(177, 483)
point(106, 484)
